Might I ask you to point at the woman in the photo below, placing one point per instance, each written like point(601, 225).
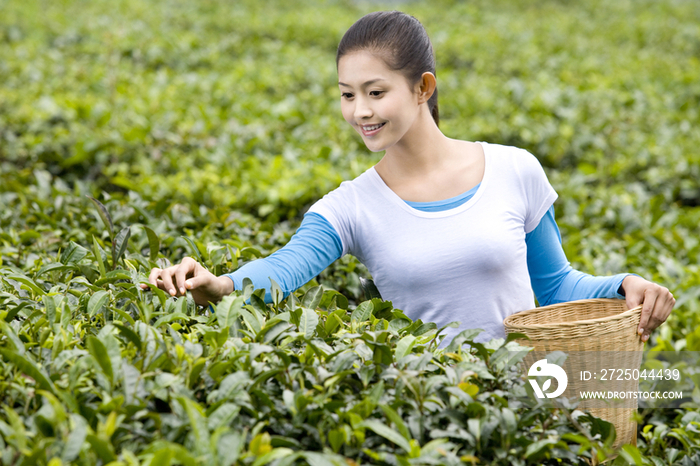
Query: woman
point(450, 230)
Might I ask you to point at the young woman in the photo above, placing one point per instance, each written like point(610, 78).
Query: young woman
point(450, 230)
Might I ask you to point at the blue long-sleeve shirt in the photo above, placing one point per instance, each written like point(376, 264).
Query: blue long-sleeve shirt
point(316, 245)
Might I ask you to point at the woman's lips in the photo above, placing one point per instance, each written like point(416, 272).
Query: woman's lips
point(371, 130)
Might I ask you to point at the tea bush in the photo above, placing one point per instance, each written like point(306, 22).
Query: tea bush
point(207, 128)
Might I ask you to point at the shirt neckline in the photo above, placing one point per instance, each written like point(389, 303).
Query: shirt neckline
point(397, 201)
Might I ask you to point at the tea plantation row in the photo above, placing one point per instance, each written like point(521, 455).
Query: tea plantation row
point(207, 128)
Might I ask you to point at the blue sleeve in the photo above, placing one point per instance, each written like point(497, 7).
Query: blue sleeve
point(552, 277)
point(314, 247)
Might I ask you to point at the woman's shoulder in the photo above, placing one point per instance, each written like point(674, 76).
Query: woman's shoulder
point(519, 159)
point(347, 192)
point(361, 182)
point(504, 150)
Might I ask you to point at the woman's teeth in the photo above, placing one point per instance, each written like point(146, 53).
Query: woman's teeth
point(373, 127)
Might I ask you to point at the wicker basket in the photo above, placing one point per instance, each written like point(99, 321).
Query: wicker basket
point(592, 325)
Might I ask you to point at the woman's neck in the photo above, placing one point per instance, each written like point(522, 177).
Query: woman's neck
point(425, 165)
point(422, 150)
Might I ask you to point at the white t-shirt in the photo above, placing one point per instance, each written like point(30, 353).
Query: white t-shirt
point(466, 264)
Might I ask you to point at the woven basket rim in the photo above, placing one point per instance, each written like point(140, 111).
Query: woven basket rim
point(510, 324)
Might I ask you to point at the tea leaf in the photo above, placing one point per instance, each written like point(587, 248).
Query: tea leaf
point(312, 297)
point(308, 323)
point(104, 214)
point(97, 252)
point(153, 243)
point(76, 438)
point(194, 250)
point(362, 312)
point(389, 434)
point(97, 301)
point(119, 245)
point(29, 368)
point(99, 352)
point(404, 346)
point(73, 254)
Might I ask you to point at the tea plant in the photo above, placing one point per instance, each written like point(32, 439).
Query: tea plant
point(206, 128)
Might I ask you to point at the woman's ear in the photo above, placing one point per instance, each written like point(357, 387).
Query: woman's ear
point(426, 87)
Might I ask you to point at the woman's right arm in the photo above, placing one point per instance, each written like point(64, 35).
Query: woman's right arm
point(314, 247)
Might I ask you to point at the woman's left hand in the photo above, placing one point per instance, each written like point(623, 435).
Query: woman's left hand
point(657, 302)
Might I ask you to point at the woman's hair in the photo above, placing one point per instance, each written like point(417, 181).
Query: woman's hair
point(400, 40)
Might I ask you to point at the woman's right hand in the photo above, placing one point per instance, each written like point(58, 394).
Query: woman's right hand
point(190, 275)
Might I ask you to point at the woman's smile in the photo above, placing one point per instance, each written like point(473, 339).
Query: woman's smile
point(372, 95)
point(371, 130)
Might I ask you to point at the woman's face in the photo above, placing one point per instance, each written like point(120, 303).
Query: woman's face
point(377, 101)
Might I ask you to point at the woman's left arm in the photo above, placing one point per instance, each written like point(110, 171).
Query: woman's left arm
point(555, 281)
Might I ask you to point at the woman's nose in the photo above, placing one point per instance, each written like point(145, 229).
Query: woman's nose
point(362, 109)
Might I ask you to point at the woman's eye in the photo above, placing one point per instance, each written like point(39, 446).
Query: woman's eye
point(376, 93)
point(346, 95)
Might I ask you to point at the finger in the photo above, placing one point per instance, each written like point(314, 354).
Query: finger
point(665, 305)
point(153, 276)
point(167, 277)
point(196, 282)
point(186, 267)
point(633, 300)
point(647, 308)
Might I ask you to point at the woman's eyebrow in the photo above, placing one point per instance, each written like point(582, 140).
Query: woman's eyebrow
point(371, 81)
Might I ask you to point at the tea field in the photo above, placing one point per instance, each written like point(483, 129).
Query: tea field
point(133, 134)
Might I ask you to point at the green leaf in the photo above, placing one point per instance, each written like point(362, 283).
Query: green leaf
point(273, 455)
point(308, 323)
point(395, 419)
point(163, 457)
point(12, 337)
point(50, 306)
point(97, 301)
point(632, 455)
point(312, 297)
point(168, 318)
point(99, 352)
point(59, 411)
point(129, 335)
point(397, 325)
point(537, 447)
point(73, 254)
point(173, 450)
point(29, 368)
point(370, 289)
point(222, 416)
point(123, 315)
point(404, 346)
point(229, 447)
point(153, 243)
point(251, 320)
point(337, 438)
point(198, 424)
point(228, 310)
point(76, 438)
point(194, 249)
point(362, 312)
point(97, 252)
point(276, 293)
point(120, 244)
point(104, 214)
point(102, 447)
point(388, 433)
point(515, 336)
point(29, 283)
point(16, 429)
point(333, 322)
